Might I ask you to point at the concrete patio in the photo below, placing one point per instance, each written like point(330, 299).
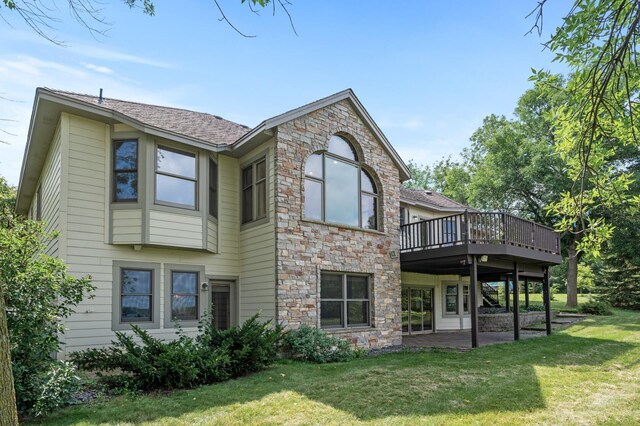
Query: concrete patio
point(462, 339)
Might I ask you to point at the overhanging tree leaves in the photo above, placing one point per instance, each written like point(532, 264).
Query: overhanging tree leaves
point(599, 42)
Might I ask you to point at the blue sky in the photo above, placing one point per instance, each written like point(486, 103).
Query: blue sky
point(428, 72)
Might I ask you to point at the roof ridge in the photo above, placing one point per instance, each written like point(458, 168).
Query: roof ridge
point(146, 104)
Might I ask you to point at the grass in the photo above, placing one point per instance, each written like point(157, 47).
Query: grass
point(558, 304)
point(586, 374)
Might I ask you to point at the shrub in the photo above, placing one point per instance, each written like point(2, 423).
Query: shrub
point(56, 387)
point(535, 307)
point(313, 345)
point(595, 307)
point(249, 348)
point(143, 362)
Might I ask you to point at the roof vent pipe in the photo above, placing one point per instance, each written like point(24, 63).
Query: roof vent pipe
point(429, 192)
point(100, 98)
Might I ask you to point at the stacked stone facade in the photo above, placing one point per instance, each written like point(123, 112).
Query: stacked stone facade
point(304, 248)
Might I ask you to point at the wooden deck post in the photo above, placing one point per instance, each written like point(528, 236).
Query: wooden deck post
point(473, 305)
point(546, 297)
point(526, 292)
point(506, 294)
point(516, 303)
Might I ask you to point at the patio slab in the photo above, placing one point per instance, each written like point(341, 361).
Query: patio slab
point(462, 339)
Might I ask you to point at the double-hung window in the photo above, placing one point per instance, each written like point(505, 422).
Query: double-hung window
point(344, 300)
point(136, 295)
point(125, 170)
point(176, 178)
point(254, 191)
point(184, 295)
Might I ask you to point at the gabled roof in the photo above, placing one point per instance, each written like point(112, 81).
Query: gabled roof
point(191, 124)
point(431, 199)
point(347, 94)
point(194, 128)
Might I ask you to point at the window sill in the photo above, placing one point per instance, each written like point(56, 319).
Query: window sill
point(339, 225)
point(348, 329)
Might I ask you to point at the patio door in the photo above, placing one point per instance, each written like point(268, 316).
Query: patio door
point(417, 310)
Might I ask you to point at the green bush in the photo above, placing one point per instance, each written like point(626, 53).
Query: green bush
point(56, 386)
point(143, 362)
point(246, 349)
point(595, 307)
point(313, 345)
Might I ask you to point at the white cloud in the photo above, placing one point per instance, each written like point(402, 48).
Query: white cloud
point(92, 51)
point(99, 68)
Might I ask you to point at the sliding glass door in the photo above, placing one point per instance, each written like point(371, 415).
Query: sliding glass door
point(417, 310)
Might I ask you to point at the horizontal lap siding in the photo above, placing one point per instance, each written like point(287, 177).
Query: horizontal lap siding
point(88, 251)
point(127, 226)
point(212, 236)
point(50, 189)
point(175, 230)
point(257, 254)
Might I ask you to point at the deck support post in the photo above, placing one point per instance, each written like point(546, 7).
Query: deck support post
point(516, 303)
point(546, 298)
point(526, 292)
point(473, 305)
point(506, 294)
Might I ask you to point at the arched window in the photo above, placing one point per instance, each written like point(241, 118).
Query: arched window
point(337, 189)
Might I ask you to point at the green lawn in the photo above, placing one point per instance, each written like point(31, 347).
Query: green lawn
point(586, 374)
point(559, 300)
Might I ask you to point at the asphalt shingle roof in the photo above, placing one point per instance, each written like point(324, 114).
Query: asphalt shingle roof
point(430, 197)
point(198, 125)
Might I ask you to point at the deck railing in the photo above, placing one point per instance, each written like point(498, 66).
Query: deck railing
point(478, 228)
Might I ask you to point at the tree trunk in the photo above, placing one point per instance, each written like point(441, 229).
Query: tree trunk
point(8, 412)
point(572, 276)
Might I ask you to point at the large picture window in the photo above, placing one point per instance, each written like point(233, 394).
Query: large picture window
point(184, 295)
point(136, 295)
point(338, 190)
point(344, 300)
point(125, 171)
point(254, 191)
point(176, 178)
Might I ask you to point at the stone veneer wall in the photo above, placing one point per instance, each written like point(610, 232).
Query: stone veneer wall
point(306, 248)
point(504, 322)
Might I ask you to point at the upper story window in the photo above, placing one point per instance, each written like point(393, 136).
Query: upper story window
point(213, 188)
point(254, 191)
point(125, 170)
point(176, 178)
point(338, 190)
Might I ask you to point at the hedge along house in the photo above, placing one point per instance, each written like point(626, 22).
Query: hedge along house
point(301, 219)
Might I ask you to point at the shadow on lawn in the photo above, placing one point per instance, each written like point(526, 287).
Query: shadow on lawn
point(496, 378)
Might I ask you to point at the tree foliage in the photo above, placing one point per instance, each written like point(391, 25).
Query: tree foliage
point(599, 42)
point(38, 293)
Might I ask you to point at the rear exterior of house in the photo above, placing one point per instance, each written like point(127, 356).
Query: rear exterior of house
point(301, 219)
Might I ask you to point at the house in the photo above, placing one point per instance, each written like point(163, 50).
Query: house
point(301, 218)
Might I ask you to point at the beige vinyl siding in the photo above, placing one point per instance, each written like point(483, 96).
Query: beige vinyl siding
point(437, 282)
point(422, 213)
point(87, 241)
point(212, 236)
point(50, 190)
point(257, 250)
point(175, 230)
point(126, 226)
